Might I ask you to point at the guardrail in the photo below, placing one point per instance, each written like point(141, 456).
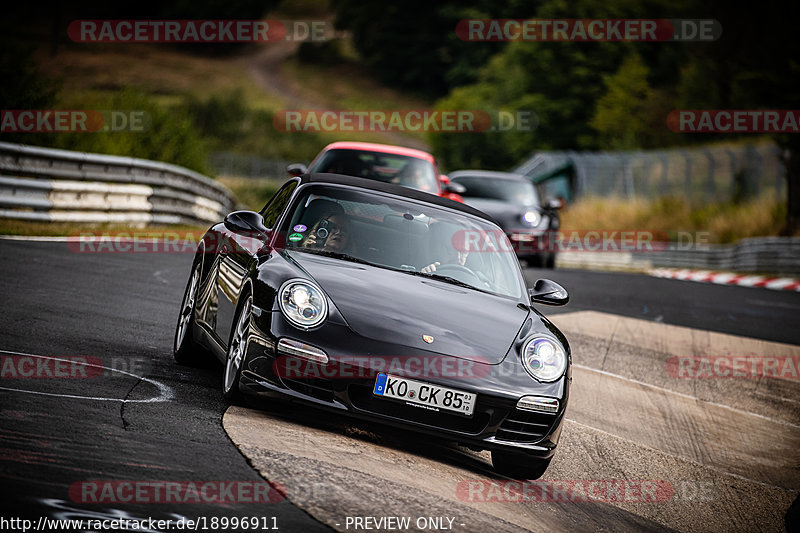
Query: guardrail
point(50, 185)
point(777, 255)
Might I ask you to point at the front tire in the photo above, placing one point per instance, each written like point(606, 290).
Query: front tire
point(518, 466)
point(184, 348)
point(237, 348)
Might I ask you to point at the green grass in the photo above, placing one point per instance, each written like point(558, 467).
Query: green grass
point(59, 229)
point(252, 194)
point(198, 89)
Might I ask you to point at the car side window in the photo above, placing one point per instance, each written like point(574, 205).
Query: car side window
point(272, 211)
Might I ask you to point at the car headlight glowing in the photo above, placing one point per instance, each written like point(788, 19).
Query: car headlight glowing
point(303, 303)
point(531, 218)
point(544, 358)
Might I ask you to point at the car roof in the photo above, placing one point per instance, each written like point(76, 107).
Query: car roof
point(375, 147)
point(391, 188)
point(489, 174)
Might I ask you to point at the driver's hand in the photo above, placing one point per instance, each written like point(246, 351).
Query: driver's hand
point(430, 268)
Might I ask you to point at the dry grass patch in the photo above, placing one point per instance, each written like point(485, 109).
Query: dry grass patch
point(160, 70)
point(726, 223)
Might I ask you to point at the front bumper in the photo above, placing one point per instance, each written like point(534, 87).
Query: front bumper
point(531, 242)
point(345, 386)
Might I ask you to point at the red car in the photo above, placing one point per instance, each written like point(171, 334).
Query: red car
point(383, 162)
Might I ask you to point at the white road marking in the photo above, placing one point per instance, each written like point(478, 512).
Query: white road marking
point(165, 392)
point(714, 468)
point(683, 395)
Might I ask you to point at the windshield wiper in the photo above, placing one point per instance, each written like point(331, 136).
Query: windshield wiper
point(446, 279)
point(335, 255)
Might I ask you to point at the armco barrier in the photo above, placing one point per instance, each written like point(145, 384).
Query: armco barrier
point(777, 255)
point(49, 185)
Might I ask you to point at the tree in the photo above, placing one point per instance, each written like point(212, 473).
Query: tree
point(619, 118)
point(412, 44)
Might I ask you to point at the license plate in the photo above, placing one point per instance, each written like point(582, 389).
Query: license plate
point(425, 395)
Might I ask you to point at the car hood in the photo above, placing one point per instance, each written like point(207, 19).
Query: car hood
point(382, 304)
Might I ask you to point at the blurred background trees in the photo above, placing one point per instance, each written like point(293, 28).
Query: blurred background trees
point(585, 96)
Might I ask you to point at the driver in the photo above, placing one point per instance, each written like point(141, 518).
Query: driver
point(453, 258)
point(443, 250)
point(331, 233)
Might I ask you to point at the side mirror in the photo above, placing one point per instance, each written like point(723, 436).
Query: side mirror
point(548, 292)
point(296, 169)
point(554, 204)
point(451, 186)
point(245, 222)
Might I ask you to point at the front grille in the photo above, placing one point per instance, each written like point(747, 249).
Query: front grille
point(524, 426)
point(363, 399)
point(321, 389)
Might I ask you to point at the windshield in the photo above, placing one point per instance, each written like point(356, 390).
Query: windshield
point(508, 190)
point(389, 168)
point(411, 237)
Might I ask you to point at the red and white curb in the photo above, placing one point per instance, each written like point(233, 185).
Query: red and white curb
point(728, 278)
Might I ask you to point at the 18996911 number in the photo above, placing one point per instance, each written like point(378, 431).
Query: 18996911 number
point(257, 523)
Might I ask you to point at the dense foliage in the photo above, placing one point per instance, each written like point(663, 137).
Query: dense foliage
point(600, 95)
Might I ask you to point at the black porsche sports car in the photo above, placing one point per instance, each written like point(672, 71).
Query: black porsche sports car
point(514, 203)
point(385, 303)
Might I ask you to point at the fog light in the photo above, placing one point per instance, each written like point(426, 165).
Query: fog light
point(304, 351)
point(538, 403)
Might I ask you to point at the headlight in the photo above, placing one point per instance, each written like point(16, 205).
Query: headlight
point(531, 218)
point(544, 358)
point(303, 303)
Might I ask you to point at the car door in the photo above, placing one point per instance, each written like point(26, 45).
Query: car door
point(237, 253)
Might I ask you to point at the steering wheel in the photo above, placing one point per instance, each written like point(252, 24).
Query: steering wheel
point(441, 269)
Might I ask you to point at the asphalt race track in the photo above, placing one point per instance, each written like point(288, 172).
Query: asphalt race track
point(118, 308)
point(668, 451)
